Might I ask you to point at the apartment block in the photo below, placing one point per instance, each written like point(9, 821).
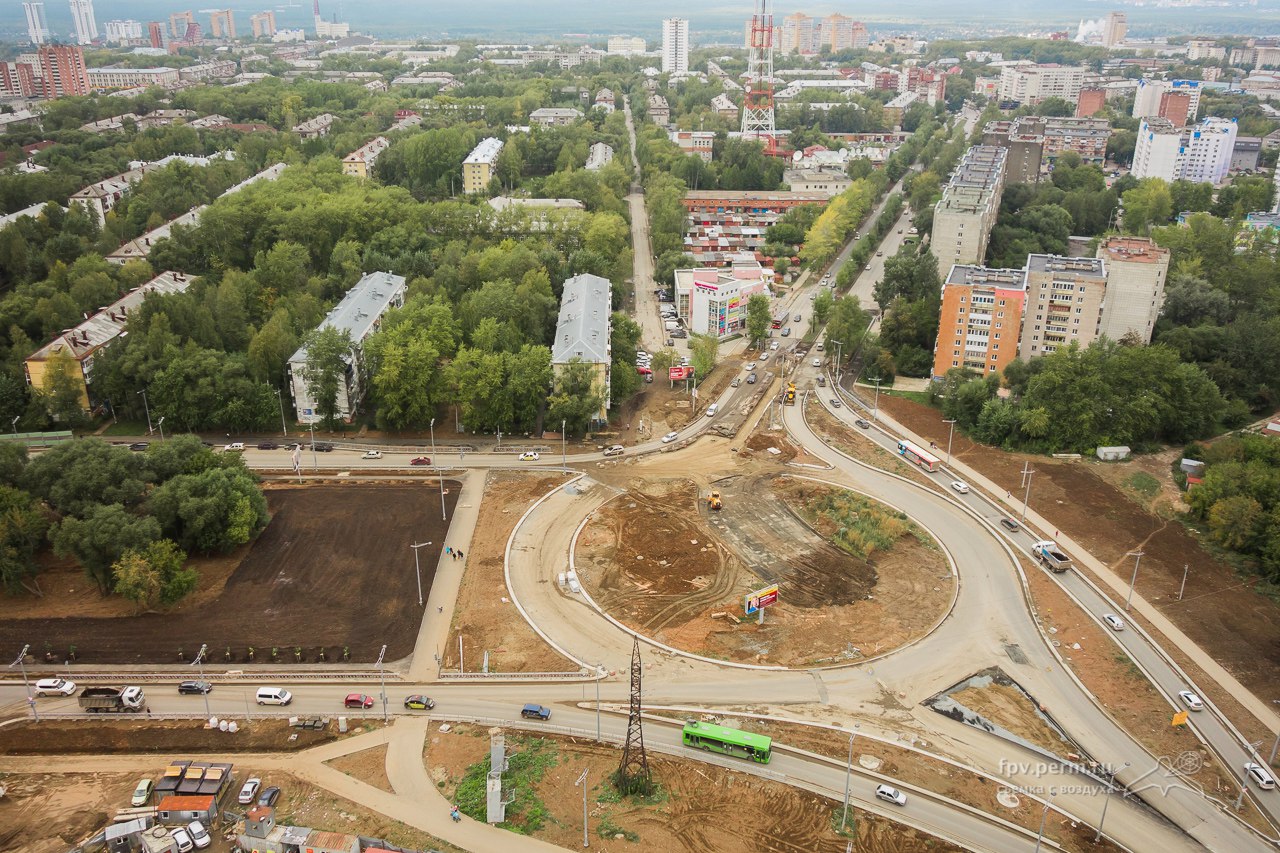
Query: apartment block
point(675, 46)
point(1064, 303)
point(1200, 153)
point(1136, 273)
point(264, 24)
point(157, 35)
point(697, 142)
point(37, 23)
point(1205, 49)
point(123, 32)
point(314, 128)
point(82, 19)
point(1025, 147)
point(478, 168)
point(554, 116)
point(1114, 28)
point(1176, 100)
point(599, 155)
point(963, 219)
point(1031, 84)
point(1091, 102)
point(840, 32)
point(1084, 136)
point(179, 23)
point(981, 319)
point(583, 334)
point(626, 45)
point(359, 163)
point(127, 78)
point(62, 71)
point(799, 34)
point(222, 23)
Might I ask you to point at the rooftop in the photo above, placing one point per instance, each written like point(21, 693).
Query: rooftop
point(369, 151)
point(972, 275)
point(582, 331)
point(486, 152)
point(318, 123)
point(1132, 250)
point(1086, 267)
point(192, 802)
point(502, 202)
point(362, 307)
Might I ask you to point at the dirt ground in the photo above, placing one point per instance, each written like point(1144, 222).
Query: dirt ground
point(855, 443)
point(51, 813)
point(661, 562)
point(367, 765)
point(333, 561)
point(484, 614)
point(701, 808)
point(101, 737)
point(1226, 613)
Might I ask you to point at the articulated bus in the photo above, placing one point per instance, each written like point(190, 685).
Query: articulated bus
point(923, 458)
point(739, 744)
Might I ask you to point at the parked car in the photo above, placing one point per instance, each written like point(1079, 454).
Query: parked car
point(372, 454)
point(1009, 523)
point(528, 456)
point(234, 447)
point(267, 445)
point(182, 838)
point(863, 423)
point(535, 712)
point(358, 700)
point(199, 834)
point(891, 795)
point(418, 702)
point(55, 687)
point(960, 487)
point(269, 796)
point(249, 790)
point(1113, 621)
point(670, 437)
point(139, 445)
point(868, 267)
point(199, 688)
point(1191, 700)
point(142, 793)
point(879, 254)
point(420, 460)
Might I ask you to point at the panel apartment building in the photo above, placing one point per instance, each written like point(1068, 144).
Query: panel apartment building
point(1200, 153)
point(981, 319)
point(583, 333)
point(478, 168)
point(1137, 270)
point(963, 219)
point(1064, 303)
point(1031, 84)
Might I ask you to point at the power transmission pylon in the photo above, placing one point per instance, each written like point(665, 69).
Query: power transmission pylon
point(633, 774)
point(757, 106)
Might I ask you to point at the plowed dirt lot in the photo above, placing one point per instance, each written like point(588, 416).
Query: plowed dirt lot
point(333, 562)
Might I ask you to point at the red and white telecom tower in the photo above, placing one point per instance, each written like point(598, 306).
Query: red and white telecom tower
point(757, 107)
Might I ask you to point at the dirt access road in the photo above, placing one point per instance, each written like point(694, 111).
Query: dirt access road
point(333, 564)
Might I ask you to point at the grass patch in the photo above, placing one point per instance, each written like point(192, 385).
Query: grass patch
point(608, 829)
point(130, 428)
point(529, 759)
point(850, 829)
point(921, 397)
point(1144, 484)
point(856, 524)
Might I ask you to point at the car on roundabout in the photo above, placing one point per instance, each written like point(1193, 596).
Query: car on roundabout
point(529, 456)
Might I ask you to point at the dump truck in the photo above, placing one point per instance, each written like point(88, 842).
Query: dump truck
point(714, 502)
point(1049, 554)
point(791, 394)
point(99, 700)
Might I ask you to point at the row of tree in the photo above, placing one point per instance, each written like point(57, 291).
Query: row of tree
point(1238, 500)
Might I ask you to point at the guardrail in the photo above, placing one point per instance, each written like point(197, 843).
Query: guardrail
point(583, 674)
point(230, 677)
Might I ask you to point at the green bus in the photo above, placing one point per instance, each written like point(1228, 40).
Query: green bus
point(739, 744)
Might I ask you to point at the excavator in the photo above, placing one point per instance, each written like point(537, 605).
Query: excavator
point(790, 399)
point(714, 503)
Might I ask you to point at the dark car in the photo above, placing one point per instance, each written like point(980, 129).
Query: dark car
point(139, 445)
point(324, 447)
point(1009, 523)
point(418, 702)
point(358, 700)
point(195, 687)
point(863, 422)
point(269, 796)
point(268, 445)
point(535, 712)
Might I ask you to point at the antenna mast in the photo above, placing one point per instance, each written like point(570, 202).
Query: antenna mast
point(757, 107)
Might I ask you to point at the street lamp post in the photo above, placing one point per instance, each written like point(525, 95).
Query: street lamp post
point(1043, 818)
point(600, 672)
point(1027, 471)
point(848, 777)
point(416, 570)
point(839, 350)
point(161, 426)
point(280, 399)
point(146, 408)
point(382, 679)
point(21, 664)
point(1106, 803)
point(199, 663)
point(564, 453)
point(1186, 567)
point(315, 464)
point(436, 464)
point(950, 432)
point(1134, 580)
point(16, 418)
point(582, 780)
point(875, 409)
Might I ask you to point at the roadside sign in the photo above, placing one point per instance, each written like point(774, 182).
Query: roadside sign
point(760, 599)
point(1179, 719)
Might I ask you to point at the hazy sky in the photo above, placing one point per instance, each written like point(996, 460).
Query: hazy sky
point(552, 18)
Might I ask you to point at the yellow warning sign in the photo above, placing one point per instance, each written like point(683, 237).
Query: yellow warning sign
point(1179, 719)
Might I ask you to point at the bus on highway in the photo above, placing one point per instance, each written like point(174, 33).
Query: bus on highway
point(739, 744)
point(923, 458)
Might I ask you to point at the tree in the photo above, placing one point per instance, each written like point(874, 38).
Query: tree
point(75, 476)
point(1149, 203)
point(154, 575)
point(758, 318)
point(624, 339)
point(215, 510)
point(101, 537)
point(13, 460)
point(328, 354)
point(22, 530)
point(577, 399)
point(703, 353)
point(822, 305)
point(63, 390)
point(405, 376)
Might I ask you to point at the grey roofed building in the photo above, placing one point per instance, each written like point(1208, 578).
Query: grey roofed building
point(360, 315)
point(583, 329)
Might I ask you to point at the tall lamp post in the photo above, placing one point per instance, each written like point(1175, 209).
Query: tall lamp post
point(1105, 803)
point(564, 452)
point(839, 362)
point(582, 780)
point(280, 399)
point(382, 679)
point(436, 464)
point(1027, 471)
point(875, 409)
point(204, 685)
point(146, 408)
point(1137, 555)
point(1044, 817)
point(16, 418)
point(21, 664)
point(950, 433)
point(848, 777)
point(315, 464)
point(416, 570)
point(161, 426)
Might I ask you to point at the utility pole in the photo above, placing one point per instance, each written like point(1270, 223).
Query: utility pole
point(1134, 580)
point(382, 679)
point(1185, 568)
point(204, 685)
point(416, 570)
point(161, 425)
point(848, 777)
point(435, 464)
point(582, 780)
point(16, 418)
point(460, 667)
point(600, 673)
point(1027, 471)
point(21, 663)
point(564, 455)
point(1105, 803)
point(1043, 818)
point(280, 399)
point(147, 409)
point(315, 464)
point(950, 433)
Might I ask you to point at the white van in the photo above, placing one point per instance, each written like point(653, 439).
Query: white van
point(712, 409)
point(1260, 775)
point(274, 696)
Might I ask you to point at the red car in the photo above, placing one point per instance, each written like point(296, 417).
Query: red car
point(358, 700)
point(420, 460)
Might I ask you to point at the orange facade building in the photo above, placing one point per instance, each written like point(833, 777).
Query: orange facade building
point(981, 319)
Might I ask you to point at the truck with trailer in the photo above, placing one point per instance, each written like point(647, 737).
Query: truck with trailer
point(1050, 556)
point(99, 700)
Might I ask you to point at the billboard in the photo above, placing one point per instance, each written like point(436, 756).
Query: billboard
point(679, 374)
point(760, 599)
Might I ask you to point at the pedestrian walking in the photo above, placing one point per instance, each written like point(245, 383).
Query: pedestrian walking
point(1007, 494)
point(453, 813)
point(460, 556)
point(449, 551)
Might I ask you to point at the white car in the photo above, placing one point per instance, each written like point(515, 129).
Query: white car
point(199, 834)
point(1191, 700)
point(234, 447)
point(773, 346)
point(960, 487)
point(712, 409)
point(764, 356)
point(750, 365)
point(528, 456)
point(1113, 621)
point(55, 687)
point(142, 793)
point(817, 362)
point(891, 795)
point(372, 454)
point(670, 437)
point(249, 790)
point(182, 838)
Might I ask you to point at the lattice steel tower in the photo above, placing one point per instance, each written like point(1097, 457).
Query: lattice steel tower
point(757, 108)
point(633, 774)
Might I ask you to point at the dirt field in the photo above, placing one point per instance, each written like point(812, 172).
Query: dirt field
point(367, 765)
point(333, 561)
point(52, 813)
point(1225, 613)
point(660, 561)
point(76, 737)
point(855, 443)
point(485, 616)
point(702, 809)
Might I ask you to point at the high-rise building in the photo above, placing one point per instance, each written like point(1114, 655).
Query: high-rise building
point(1031, 84)
point(963, 219)
point(861, 38)
point(37, 23)
point(1136, 273)
point(1064, 303)
point(1200, 153)
point(675, 45)
point(223, 24)
point(1025, 147)
point(799, 34)
point(179, 22)
point(85, 25)
point(1114, 28)
point(1155, 153)
point(264, 24)
point(836, 32)
point(626, 45)
point(1152, 99)
point(123, 32)
point(157, 34)
point(981, 319)
point(18, 79)
point(1205, 49)
point(478, 168)
point(62, 71)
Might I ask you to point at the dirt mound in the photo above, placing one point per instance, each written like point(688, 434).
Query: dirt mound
point(762, 442)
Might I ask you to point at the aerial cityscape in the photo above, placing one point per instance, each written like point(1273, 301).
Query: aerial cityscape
point(753, 428)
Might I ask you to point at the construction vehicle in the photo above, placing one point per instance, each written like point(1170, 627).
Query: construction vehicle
point(1051, 556)
point(98, 700)
point(791, 394)
point(714, 503)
